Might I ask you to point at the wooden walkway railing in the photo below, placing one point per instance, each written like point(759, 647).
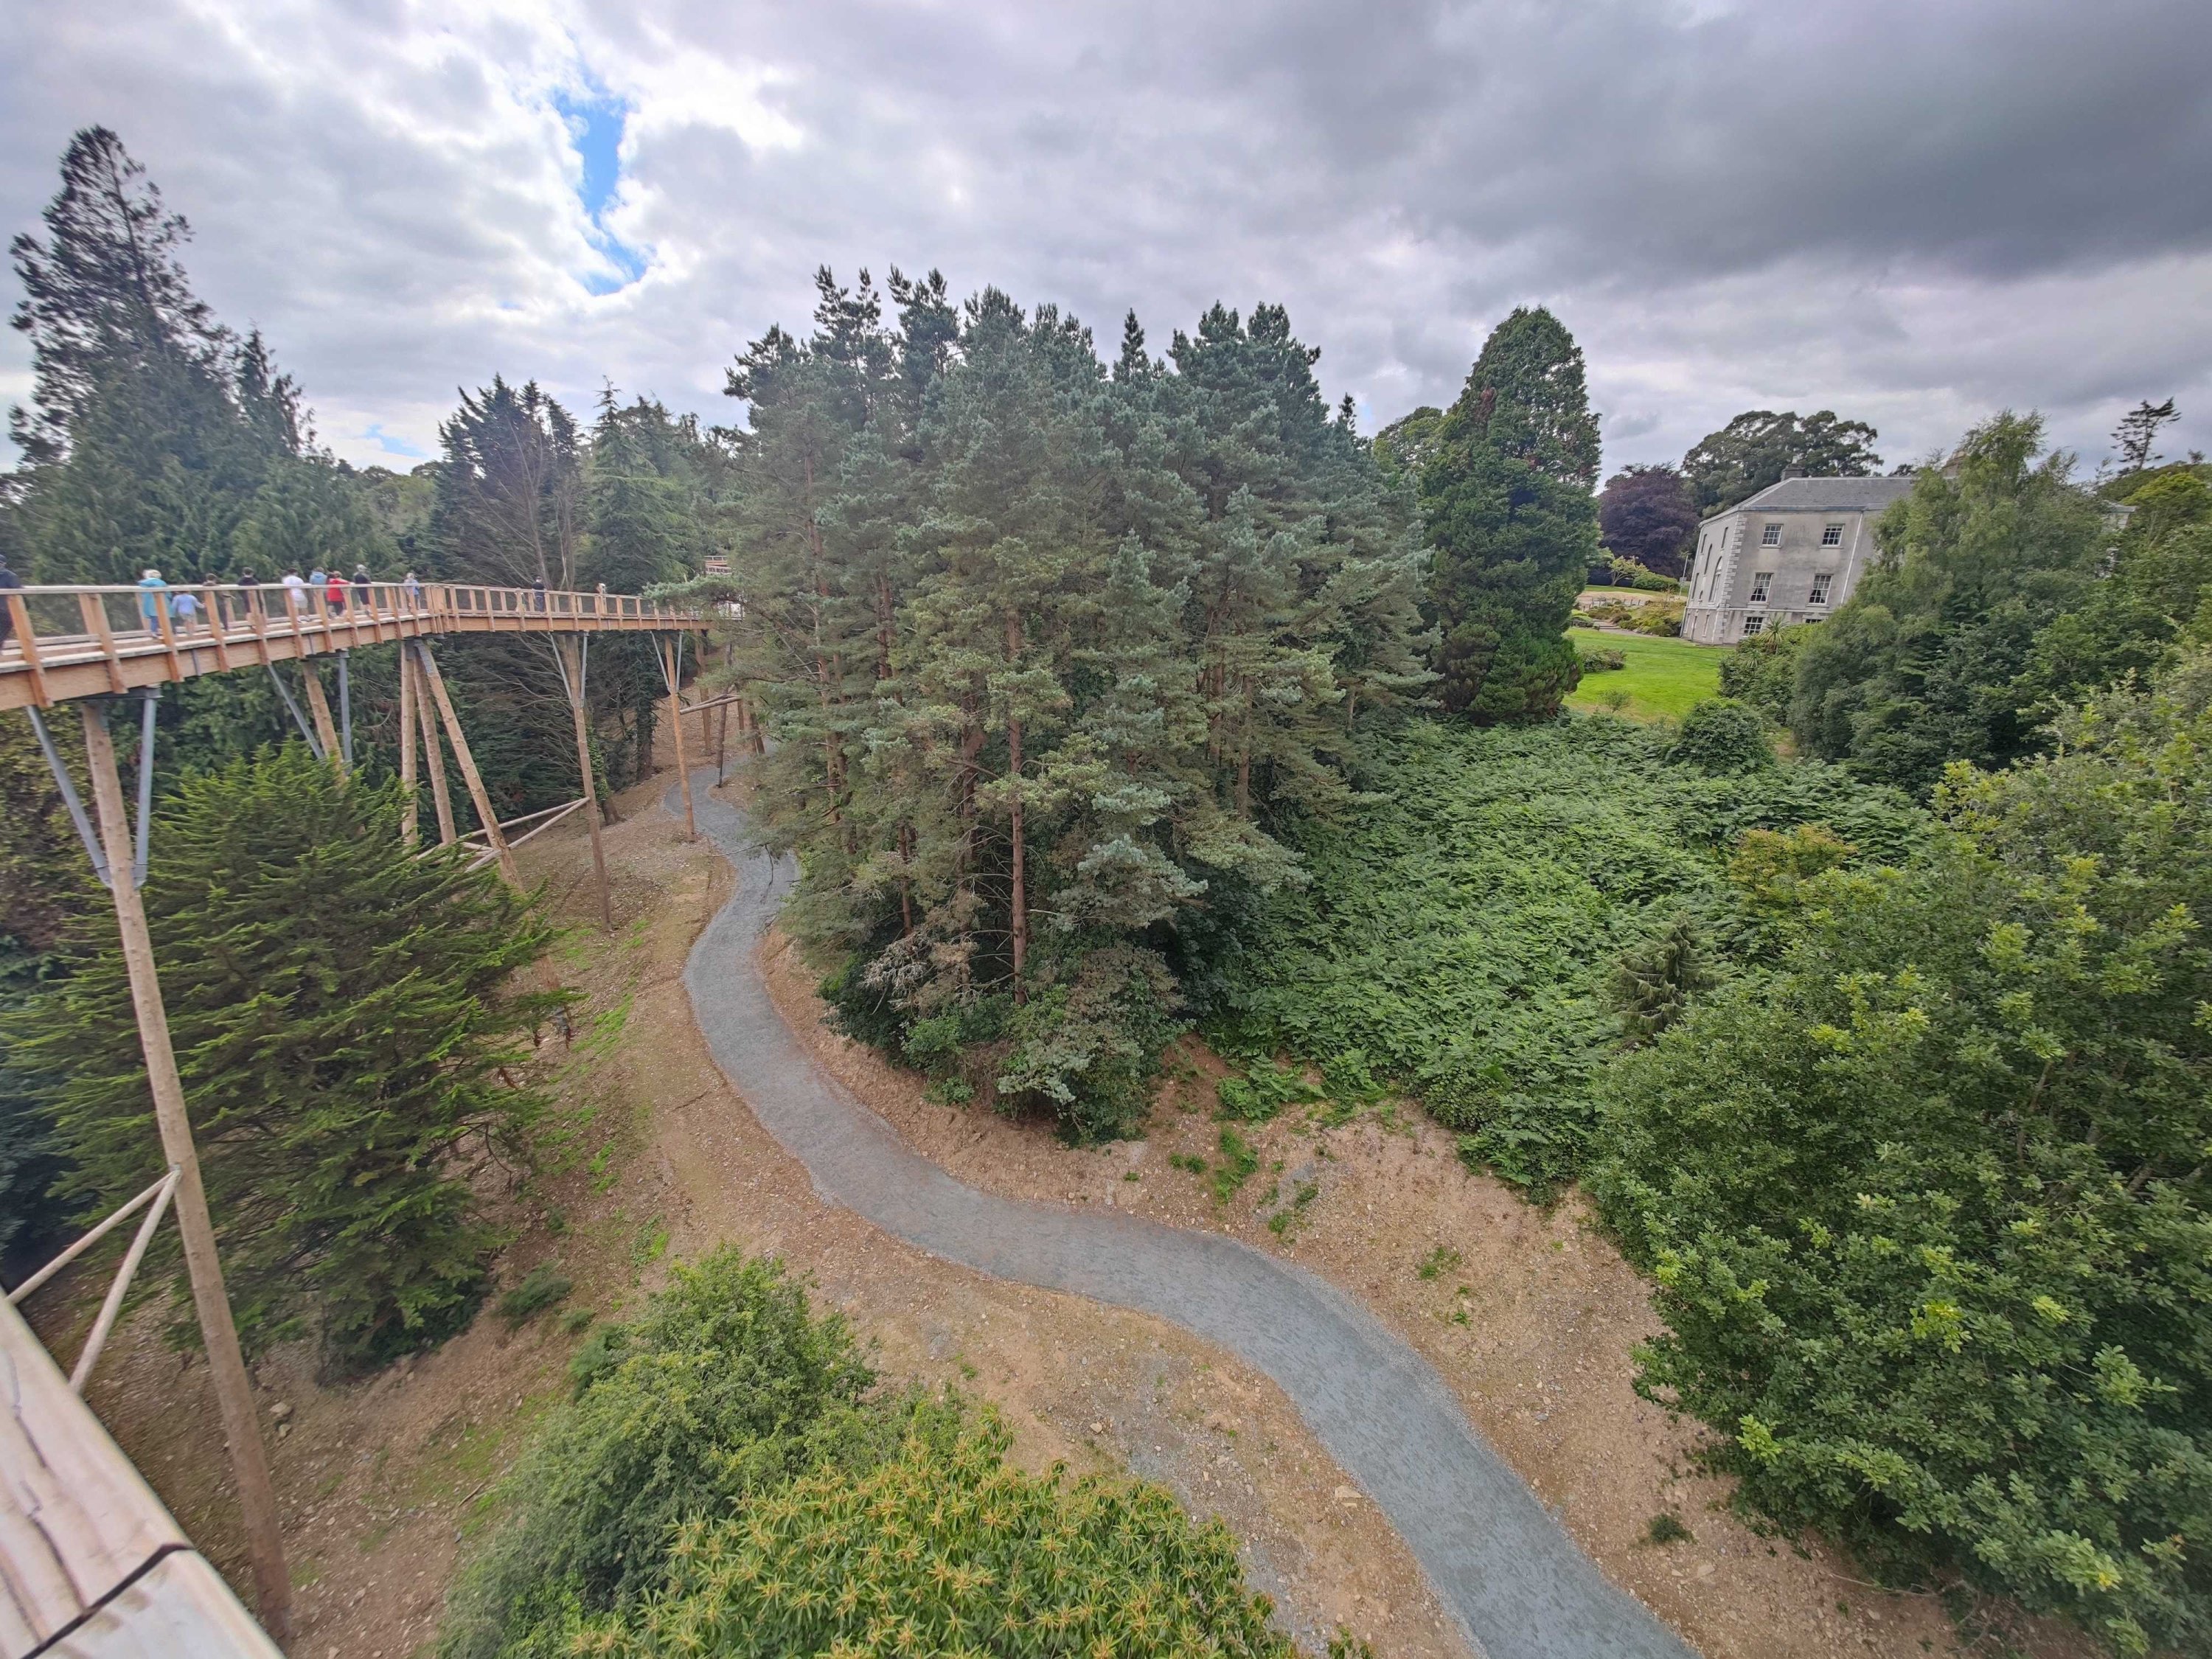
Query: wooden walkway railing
point(69, 642)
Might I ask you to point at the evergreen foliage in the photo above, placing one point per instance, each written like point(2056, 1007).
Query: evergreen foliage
point(726, 1481)
point(338, 1016)
point(1722, 735)
point(1754, 450)
point(1505, 491)
point(1048, 654)
point(1460, 932)
point(1927, 1203)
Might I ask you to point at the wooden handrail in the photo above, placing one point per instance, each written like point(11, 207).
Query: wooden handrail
point(63, 643)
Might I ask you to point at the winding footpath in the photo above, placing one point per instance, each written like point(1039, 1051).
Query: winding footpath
point(1497, 1557)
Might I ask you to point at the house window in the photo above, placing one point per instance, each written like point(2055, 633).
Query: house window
point(1760, 581)
point(1819, 594)
point(1752, 623)
point(1832, 536)
point(1771, 536)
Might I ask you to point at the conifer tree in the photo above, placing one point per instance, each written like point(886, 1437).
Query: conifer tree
point(1506, 491)
point(1044, 649)
point(341, 1021)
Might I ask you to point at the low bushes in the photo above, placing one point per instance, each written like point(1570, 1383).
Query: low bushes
point(729, 1480)
point(1459, 932)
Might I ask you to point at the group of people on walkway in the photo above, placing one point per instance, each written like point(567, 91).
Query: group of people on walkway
point(333, 587)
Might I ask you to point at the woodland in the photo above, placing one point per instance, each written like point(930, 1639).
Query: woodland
point(1111, 700)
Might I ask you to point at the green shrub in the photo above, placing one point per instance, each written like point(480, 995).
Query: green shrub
point(1239, 1163)
point(725, 1387)
point(1761, 672)
point(722, 1484)
point(543, 1286)
point(946, 1549)
point(1263, 1092)
point(1653, 981)
point(1927, 1205)
point(1089, 1046)
point(1721, 735)
point(1604, 661)
point(1460, 929)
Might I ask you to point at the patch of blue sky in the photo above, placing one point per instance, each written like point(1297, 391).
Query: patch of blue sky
point(392, 445)
point(595, 119)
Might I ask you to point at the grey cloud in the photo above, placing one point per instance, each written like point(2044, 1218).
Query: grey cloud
point(1916, 213)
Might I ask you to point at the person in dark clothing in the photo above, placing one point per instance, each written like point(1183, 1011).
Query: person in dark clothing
point(9, 579)
point(248, 599)
point(537, 588)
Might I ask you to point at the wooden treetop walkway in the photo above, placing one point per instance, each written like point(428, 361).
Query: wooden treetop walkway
point(71, 643)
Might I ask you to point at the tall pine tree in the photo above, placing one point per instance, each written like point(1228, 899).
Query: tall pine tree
point(1506, 492)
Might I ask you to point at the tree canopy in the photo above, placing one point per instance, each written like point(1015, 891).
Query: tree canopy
point(1046, 652)
point(1505, 493)
point(1754, 449)
point(1647, 513)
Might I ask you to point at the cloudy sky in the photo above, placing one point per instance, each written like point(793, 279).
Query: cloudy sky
point(1912, 211)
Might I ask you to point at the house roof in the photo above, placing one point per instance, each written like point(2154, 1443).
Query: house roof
point(1824, 495)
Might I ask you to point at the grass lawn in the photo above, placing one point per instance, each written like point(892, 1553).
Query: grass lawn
point(1665, 679)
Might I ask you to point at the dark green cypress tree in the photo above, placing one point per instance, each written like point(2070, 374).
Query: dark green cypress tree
point(341, 1019)
point(1506, 490)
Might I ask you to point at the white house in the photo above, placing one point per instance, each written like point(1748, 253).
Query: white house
point(1793, 553)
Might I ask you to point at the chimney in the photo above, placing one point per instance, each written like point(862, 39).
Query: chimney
point(1793, 471)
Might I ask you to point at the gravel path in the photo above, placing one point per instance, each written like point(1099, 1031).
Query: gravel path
point(1499, 1560)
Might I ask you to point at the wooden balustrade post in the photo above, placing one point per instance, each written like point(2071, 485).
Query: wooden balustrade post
point(469, 775)
point(234, 1389)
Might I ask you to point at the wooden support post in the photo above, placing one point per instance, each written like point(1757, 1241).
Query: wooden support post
point(573, 653)
point(432, 754)
point(722, 739)
point(469, 775)
point(233, 1391)
point(675, 720)
point(319, 707)
point(411, 811)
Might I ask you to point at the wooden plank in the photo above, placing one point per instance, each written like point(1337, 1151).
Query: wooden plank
point(180, 1609)
point(75, 1519)
point(411, 811)
point(436, 756)
point(477, 794)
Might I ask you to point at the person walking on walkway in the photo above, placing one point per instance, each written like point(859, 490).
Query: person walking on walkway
point(537, 588)
point(149, 599)
point(334, 591)
point(186, 608)
point(411, 584)
point(8, 581)
point(249, 597)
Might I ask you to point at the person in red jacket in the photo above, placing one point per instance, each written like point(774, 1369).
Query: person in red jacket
point(335, 590)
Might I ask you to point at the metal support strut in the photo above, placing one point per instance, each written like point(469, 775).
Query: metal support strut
point(345, 709)
point(314, 746)
point(142, 830)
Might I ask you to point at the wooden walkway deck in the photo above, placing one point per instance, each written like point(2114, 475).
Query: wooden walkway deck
point(92, 1567)
point(71, 643)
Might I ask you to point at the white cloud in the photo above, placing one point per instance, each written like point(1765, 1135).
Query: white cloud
point(1913, 214)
